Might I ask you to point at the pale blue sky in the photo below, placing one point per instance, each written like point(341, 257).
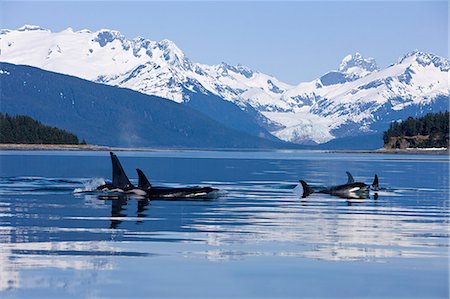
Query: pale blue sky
point(294, 41)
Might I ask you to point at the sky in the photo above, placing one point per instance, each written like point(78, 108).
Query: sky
point(295, 41)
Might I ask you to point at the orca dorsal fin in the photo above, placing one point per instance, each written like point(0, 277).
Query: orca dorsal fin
point(307, 190)
point(375, 185)
point(350, 178)
point(119, 177)
point(143, 181)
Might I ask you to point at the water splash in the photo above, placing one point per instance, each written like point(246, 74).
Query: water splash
point(90, 185)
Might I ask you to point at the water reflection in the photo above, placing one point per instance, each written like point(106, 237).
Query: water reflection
point(16, 257)
point(142, 207)
point(116, 211)
point(43, 225)
point(118, 208)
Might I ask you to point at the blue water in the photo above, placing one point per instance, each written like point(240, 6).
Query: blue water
point(258, 239)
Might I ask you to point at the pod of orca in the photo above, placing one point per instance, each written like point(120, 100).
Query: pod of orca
point(121, 184)
point(351, 189)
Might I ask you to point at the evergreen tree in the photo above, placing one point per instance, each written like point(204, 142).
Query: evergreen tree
point(433, 127)
point(24, 129)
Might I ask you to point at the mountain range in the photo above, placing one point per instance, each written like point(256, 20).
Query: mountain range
point(358, 98)
point(109, 115)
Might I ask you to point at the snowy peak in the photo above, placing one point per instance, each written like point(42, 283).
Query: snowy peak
point(356, 66)
point(25, 28)
point(367, 101)
point(173, 55)
point(31, 28)
point(104, 56)
point(425, 59)
point(224, 68)
point(169, 46)
point(352, 67)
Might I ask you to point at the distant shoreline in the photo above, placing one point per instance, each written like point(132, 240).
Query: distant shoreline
point(407, 151)
point(73, 147)
point(88, 147)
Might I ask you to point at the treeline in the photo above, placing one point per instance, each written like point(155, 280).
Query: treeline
point(24, 129)
point(431, 130)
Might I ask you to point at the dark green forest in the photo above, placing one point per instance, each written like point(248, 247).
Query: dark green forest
point(430, 130)
point(24, 129)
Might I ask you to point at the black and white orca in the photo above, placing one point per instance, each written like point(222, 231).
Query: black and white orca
point(169, 192)
point(121, 183)
point(351, 189)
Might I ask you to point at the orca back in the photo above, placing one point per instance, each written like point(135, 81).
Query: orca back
point(143, 181)
point(350, 178)
point(119, 177)
point(375, 184)
point(307, 190)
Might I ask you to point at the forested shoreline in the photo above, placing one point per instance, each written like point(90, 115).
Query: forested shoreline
point(22, 129)
point(431, 130)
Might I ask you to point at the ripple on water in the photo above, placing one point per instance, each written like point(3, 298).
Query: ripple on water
point(36, 211)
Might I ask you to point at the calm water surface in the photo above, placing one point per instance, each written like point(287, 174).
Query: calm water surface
point(259, 239)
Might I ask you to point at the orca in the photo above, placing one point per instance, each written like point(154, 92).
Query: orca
point(121, 183)
point(375, 185)
point(350, 178)
point(351, 189)
point(169, 192)
point(143, 182)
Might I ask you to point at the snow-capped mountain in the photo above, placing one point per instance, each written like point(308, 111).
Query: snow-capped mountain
point(417, 81)
point(350, 100)
point(108, 115)
point(356, 66)
point(106, 56)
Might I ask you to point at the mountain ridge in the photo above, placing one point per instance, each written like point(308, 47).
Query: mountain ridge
point(114, 116)
point(356, 99)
